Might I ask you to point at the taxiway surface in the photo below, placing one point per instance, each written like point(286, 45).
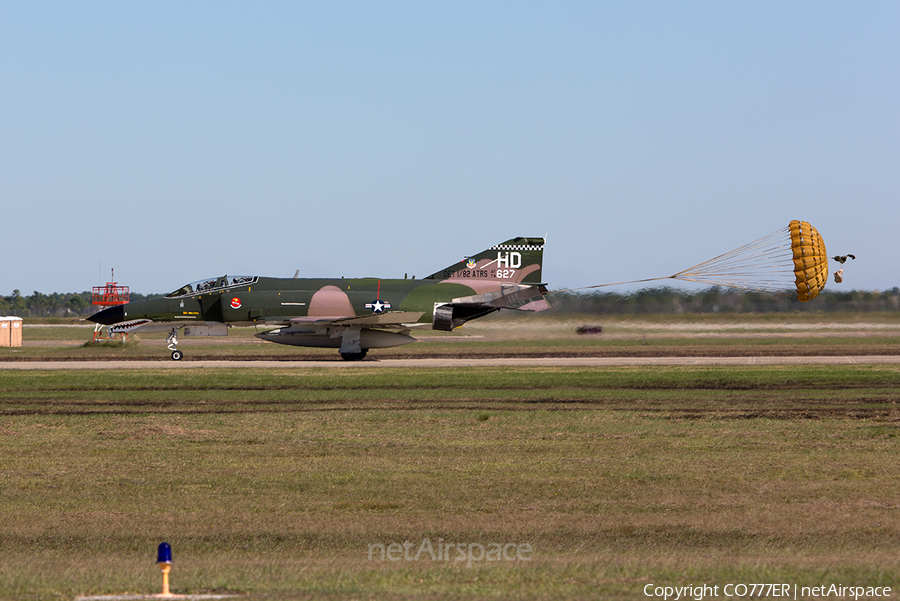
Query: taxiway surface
point(454, 362)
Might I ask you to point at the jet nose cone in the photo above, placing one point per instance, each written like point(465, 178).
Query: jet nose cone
point(109, 316)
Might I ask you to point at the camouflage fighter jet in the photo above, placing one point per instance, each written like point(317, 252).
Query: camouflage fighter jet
point(352, 315)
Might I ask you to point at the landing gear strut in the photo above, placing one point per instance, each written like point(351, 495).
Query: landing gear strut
point(350, 347)
point(172, 344)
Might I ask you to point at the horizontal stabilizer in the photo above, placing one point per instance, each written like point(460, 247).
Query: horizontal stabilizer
point(457, 312)
point(510, 297)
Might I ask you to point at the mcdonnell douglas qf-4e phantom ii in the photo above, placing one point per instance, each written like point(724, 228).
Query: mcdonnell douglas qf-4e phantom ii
point(352, 315)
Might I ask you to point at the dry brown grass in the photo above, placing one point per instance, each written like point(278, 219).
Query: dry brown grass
point(275, 484)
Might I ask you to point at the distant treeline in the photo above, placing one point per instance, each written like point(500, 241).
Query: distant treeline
point(642, 302)
point(666, 300)
point(71, 304)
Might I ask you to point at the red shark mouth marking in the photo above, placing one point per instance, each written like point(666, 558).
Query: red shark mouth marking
point(128, 326)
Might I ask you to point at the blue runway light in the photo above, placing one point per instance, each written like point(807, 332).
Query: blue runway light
point(164, 553)
point(164, 561)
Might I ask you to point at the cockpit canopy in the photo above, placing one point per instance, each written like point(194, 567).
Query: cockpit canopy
point(213, 284)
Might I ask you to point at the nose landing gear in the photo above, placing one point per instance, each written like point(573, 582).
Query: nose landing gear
point(172, 345)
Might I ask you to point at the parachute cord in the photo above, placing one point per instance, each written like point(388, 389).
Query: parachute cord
point(764, 265)
point(668, 277)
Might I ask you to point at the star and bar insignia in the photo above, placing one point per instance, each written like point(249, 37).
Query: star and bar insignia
point(378, 305)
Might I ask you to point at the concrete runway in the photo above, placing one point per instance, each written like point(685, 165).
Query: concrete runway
point(431, 363)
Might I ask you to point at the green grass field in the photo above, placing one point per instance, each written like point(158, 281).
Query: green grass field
point(520, 483)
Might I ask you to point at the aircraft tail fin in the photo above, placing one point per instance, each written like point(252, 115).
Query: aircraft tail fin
point(516, 261)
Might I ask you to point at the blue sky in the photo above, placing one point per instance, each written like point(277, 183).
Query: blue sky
point(175, 141)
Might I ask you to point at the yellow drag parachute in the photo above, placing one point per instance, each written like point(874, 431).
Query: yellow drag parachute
point(791, 259)
point(810, 260)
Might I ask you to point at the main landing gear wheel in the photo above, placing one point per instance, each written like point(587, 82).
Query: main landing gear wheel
point(354, 356)
point(177, 355)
